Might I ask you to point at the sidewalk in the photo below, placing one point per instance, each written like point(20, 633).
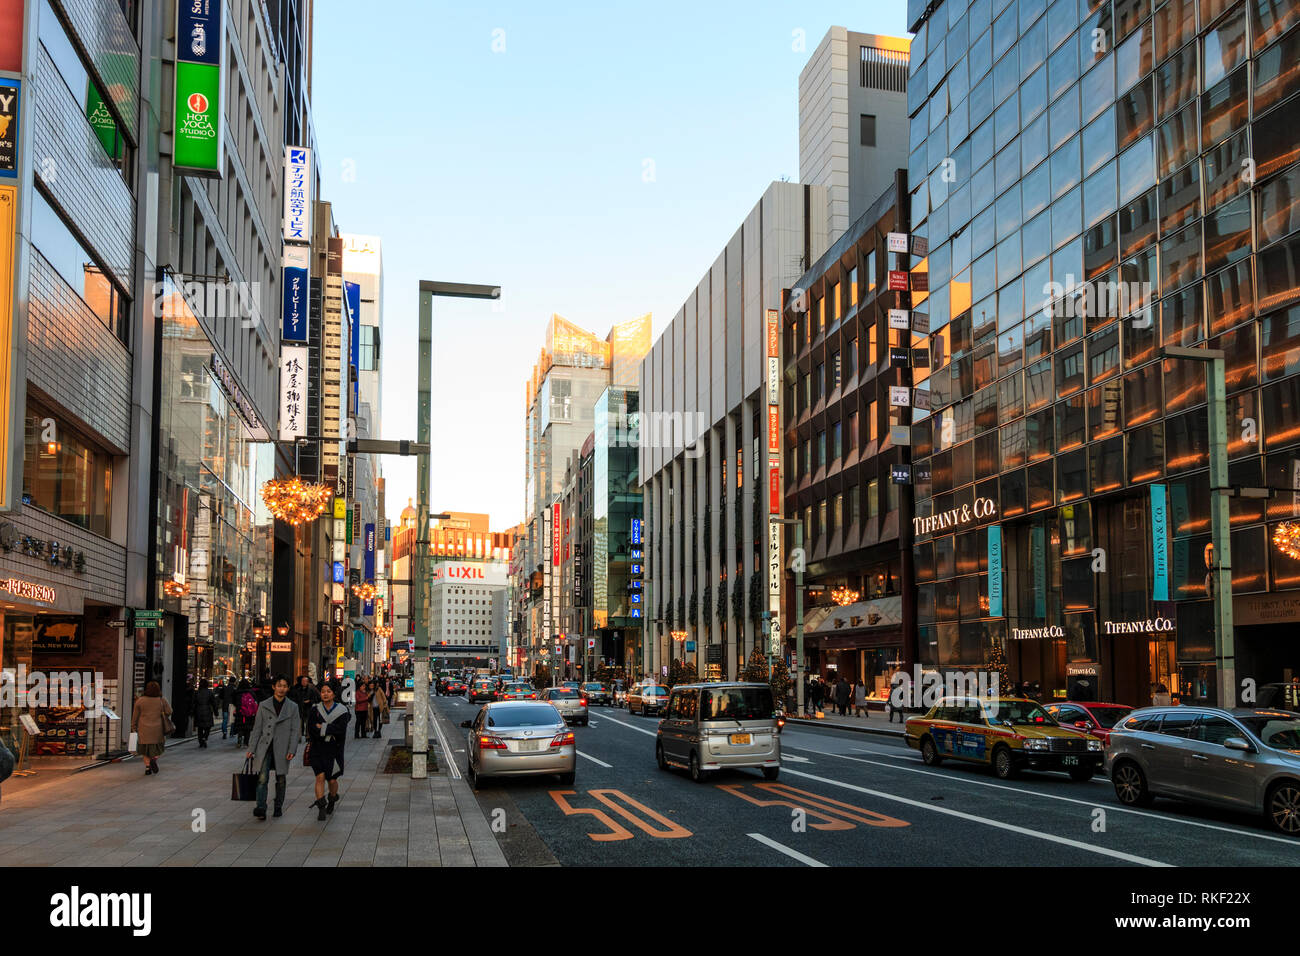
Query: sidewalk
point(116, 816)
point(875, 722)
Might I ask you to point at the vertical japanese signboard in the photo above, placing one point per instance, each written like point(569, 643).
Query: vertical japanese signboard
point(198, 129)
point(11, 35)
point(297, 271)
point(10, 116)
point(297, 194)
point(774, 567)
point(293, 392)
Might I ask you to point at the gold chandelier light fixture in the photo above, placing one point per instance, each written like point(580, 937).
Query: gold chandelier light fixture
point(364, 591)
point(1286, 538)
point(176, 589)
point(294, 501)
point(384, 630)
point(844, 596)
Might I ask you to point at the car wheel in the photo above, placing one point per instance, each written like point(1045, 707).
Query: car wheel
point(566, 779)
point(930, 753)
point(586, 721)
point(1283, 807)
point(1004, 764)
point(475, 781)
point(659, 757)
point(771, 773)
point(1131, 785)
point(698, 774)
point(1081, 774)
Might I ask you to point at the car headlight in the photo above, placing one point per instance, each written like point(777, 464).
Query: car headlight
point(1036, 745)
point(1094, 744)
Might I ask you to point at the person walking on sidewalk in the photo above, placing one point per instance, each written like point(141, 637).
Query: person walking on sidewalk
point(363, 709)
point(379, 709)
point(7, 763)
point(327, 732)
point(245, 711)
point(226, 697)
point(843, 691)
point(148, 722)
point(205, 712)
point(274, 742)
point(304, 695)
point(859, 698)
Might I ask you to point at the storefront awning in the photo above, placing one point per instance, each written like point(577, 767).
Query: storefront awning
point(864, 616)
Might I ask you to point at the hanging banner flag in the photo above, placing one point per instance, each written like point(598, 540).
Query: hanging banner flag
point(297, 283)
point(198, 130)
point(297, 194)
point(995, 570)
point(369, 565)
point(1159, 544)
point(10, 99)
point(897, 281)
point(293, 392)
point(352, 292)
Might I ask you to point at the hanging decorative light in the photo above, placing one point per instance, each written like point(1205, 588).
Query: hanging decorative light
point(384, 630)
point(844, 596)
point(294, 501)
point(364, 591)
point(1286, 538)
point(176, 588)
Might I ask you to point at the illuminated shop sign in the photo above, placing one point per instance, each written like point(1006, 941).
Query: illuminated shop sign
point(1149, 626)
point(28, 591)
point(956, 517)
point(1030, 633)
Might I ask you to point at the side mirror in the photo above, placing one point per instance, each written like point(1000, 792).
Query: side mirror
point(467, 723)
point(1236, 743)
point(1083, 725)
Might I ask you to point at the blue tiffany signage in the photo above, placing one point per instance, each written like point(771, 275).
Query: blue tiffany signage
point(995, 570)
point(1159, 543)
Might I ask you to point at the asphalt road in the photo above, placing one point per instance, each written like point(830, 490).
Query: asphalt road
point(843, 799)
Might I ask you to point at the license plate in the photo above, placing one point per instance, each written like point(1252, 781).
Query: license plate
point(528, 746)
point(740, 739)
point(1070, 761)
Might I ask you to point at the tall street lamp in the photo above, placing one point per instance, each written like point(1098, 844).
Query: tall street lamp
point(1221, 569)
point(420, 559)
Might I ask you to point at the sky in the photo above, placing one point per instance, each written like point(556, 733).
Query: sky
point(591, 159)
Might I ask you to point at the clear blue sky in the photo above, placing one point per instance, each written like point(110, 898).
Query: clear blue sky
point(526, 167)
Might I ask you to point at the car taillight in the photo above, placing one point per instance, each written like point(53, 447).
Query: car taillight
point(583, 701)
point(563, 738)
point(532, 696)
point(491, 743)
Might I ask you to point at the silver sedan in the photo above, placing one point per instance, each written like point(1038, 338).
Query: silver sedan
point(571, 704)
point(520, 738)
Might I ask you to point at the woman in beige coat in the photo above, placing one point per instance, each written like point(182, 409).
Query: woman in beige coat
point(147, 722)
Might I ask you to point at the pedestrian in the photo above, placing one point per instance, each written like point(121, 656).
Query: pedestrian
point(362, 708)
point(859, 698)
point(245, 711)
point(842, 693)
point(274, 742)
point(379, 709)
point(304, 695)
point(205, 712)
point(6, 763)
point(227, 700)
point(148, 724)
point(327, 732)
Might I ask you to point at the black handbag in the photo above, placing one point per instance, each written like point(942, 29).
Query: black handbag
point(243, 785)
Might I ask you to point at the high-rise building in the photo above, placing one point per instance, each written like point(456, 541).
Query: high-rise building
point(1099, 181)
point(852, 122)
point(710, 441)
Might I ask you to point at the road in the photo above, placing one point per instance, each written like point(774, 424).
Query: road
point(843, 799)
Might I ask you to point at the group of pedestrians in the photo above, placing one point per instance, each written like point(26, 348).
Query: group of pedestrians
point(836, 693)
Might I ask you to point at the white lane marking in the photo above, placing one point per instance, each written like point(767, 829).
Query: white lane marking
point(785, 756)
point(652, 733)
point(1115, 807)
point(446, 747)
point(594, 760)
point(781, 848)
point(975, 818)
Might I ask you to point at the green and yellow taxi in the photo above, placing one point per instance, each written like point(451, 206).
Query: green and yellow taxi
point(1009, 734)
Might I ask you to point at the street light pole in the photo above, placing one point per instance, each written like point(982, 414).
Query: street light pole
point(420, 558)
point(1220, 527)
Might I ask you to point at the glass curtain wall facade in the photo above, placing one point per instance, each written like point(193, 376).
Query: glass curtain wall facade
point(617, 588)
point(214, 550)
point(1098, 180)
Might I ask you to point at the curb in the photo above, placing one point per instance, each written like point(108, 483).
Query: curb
point(833, 726)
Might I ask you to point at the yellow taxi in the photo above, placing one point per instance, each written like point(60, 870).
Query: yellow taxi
point(1008, 734)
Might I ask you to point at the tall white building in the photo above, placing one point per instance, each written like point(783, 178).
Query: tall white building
point(853, 131)
point(468, 598)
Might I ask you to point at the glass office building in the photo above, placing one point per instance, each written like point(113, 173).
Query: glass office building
point(1096, 181)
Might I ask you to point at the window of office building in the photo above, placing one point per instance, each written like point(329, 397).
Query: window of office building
point(867, 129)
point(64, 472)
point(86, 276)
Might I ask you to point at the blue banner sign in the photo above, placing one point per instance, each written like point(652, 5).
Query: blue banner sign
point(1159, 543)
point(995, 570)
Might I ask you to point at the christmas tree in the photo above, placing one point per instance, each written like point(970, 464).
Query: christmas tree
point(998, 663)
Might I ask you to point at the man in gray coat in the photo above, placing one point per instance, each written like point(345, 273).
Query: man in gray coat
point(274, 741)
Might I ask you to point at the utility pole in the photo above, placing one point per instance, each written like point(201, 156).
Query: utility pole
point(422, 596)
point(1220, 530)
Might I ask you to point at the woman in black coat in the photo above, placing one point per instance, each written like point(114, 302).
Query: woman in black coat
point(327, 732)
point(205, 711)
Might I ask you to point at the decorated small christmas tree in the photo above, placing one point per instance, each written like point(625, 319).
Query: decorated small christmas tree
point(998, 663)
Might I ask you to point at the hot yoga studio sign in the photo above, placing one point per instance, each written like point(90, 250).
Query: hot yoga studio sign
point(982, 510)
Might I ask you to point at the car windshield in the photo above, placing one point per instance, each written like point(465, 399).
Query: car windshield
point(565, 694)
point(522, 715)
point(1109, 716)
point(1017, 712)
point(737, 703)
point(1275, 730)
point(655, 691)
point(595, 687)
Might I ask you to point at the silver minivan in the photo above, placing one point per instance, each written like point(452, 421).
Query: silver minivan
point(707, 727)
point(1243, 759)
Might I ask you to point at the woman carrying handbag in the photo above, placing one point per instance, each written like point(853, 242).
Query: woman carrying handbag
point(151, 723)
point(327, 732)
